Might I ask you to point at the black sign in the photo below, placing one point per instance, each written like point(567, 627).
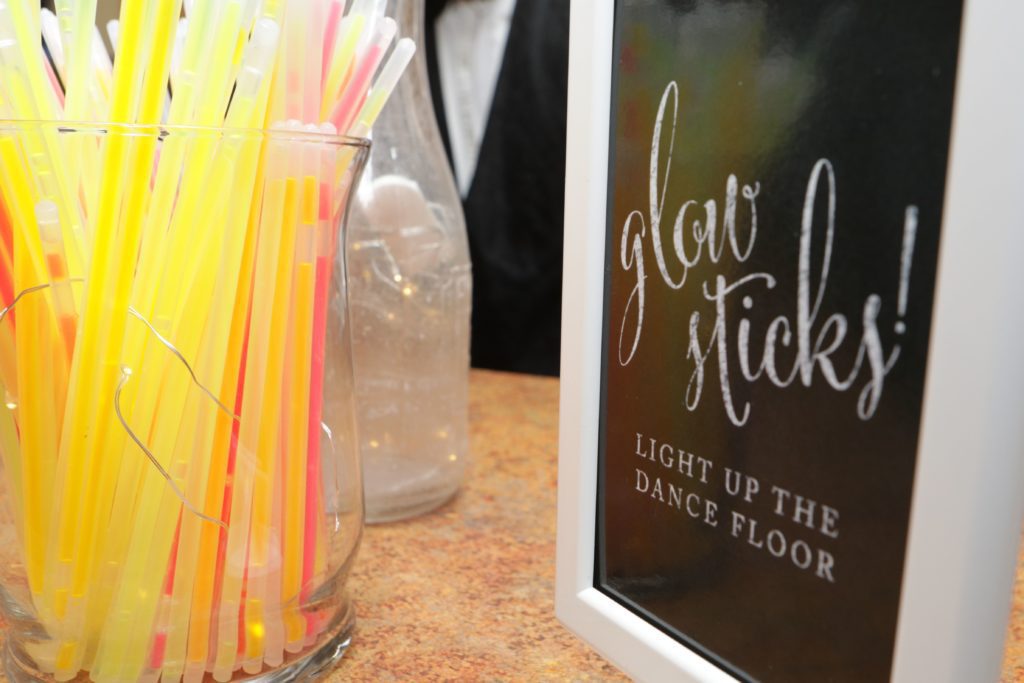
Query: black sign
point(775, 202)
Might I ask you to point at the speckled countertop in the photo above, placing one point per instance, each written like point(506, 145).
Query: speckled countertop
point(466, 593)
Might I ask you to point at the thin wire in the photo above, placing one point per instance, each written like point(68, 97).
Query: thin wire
point(31, 290)
point(125, 376)
point(184, 362)
point(170, 347)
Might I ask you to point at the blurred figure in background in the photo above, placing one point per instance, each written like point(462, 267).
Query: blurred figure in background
point(499, 74)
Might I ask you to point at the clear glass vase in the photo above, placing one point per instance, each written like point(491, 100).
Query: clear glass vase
point(181, 485)
point(411, 288)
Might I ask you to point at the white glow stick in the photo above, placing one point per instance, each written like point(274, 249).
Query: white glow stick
point(52, 38)
point(179, 47)
point(114, 33)
point(384, 86)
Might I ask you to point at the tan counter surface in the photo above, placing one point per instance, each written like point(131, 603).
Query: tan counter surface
point(467, 593)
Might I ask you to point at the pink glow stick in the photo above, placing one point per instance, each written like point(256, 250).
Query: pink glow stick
point(330, 36)
point(355, 91)
point(323, 275)
point(225, 511)
point(57, 91)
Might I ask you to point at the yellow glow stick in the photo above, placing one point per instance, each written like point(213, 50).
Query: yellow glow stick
point(189, 204)
point(204, 473)
point(203, 619)
point(152, 528)
point(254, 392)
point(203, 595)
point(30, 97)
point(242, 162)
point(79, 105)
point(47, 216)
point(298, 417)
point(35, 399)
point(218, 317)
point(173, 435)
point(267, 447)
point(172, 157)
point(90, 476)
point(10, 448)
point(203, 50)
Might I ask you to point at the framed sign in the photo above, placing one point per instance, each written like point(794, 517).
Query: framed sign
point(792, 442)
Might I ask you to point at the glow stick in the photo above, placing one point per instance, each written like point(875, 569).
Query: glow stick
point(172, 158)
point(54, 48)
point(313, 72)
point(11, 449)
point(114, 34)
point(103, 324)
point(179, 240)
point(177, 426)
point(347, 108)
point(58, 93)
point(332, 25)
point(384, 86)
point(264, 476)
point(324, 245)
point(213, 544)
point(101, 60)
point(48, 219)
point(31, 97)
point(80, 105)
point(296, 59)
point(173, 209)
point(218, 73)
point(374, 12)
point(8, 364)
point(35, 399)
point(260, 324)
point(83, 100)
point(241, 165)
point(218, 501)
point(179, 46)
point(175, 253)
point(297, 407)
point(348, 36)
point(52, 39)
point(225, 362)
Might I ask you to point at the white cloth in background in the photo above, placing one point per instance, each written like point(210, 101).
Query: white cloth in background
point(471, 40)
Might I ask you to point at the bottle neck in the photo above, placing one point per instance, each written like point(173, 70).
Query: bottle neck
point(411, 106)
point(409, 15)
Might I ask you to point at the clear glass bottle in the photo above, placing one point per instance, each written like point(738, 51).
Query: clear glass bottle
point(410, 289)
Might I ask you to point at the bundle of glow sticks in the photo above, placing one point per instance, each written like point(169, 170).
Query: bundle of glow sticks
point(165, 275)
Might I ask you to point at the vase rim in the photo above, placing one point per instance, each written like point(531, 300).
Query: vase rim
point(291, 131)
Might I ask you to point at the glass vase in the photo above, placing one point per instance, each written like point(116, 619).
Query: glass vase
point(411, 288)
point(181, 485)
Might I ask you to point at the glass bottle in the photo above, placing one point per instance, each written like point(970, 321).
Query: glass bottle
point(410, 288)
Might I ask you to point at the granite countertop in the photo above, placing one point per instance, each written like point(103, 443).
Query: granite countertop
point(467, 593)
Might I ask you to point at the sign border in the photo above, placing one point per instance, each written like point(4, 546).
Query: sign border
point(968, 498)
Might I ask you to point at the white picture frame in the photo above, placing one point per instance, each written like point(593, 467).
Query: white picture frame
point(968, 496)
